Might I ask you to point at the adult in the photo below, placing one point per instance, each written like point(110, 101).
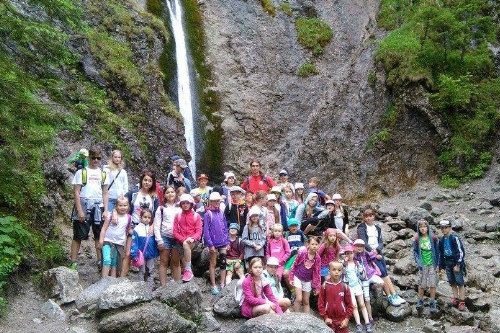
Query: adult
point(307, 215)
point(118, 178)
point(176, 177)
point(229, 181)
point(143, 197)
point(335, 215)
point(187, 172)
point(257, 181)
point(90, 189)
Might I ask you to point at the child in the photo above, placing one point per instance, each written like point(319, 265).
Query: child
point(215, 236)
point(305, 274)
point(451, 259)
point(329, 250)
point(187, 231)
point(335, 302)
point(164, 236)
point(235, 252)
point(366, 259)
point(203, 188)
point(425, 252)
point(236, 210)
point(113, 238)
point(118, 178)
point(278, 247)
point(274, 280)
point(371, 234)
point(273, 215)
point(289, 200)
point(352, 271)
point(254, 236)
point(80, 159)
point(296, 239)
point(299, 192)
point(258, 297)
point(143, 239)
point(313, 188)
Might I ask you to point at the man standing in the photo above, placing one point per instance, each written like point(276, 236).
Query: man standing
point(90, 187)
point(257, 180)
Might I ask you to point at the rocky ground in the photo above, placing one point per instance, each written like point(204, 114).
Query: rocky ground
point(470, 205)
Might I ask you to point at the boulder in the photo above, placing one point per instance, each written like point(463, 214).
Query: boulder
point(88, 299)
point(63, 283)
point(406, 265)
point(153, 317)
point(51, 309)
point(284, 323)
point(225, 305)
point(184, 297)
point(124, 294)
point(398, 313)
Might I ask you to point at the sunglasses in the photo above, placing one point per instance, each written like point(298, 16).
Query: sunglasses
point(96, 158)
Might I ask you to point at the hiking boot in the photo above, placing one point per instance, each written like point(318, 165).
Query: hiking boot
point(73, 266)
point(462, 307)
point(399, 298)
point(453, 303)
point(433, 307)
point(420, 305)
point(393, 300)
point(359, 328)
point(369, 327)
point(187, 276)
point(214, 290)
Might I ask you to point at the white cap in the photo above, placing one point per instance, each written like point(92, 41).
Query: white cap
point(254, 211)
point(336, 196)
point(227, 175)
point(271, 196)
point(298, 185)
point(186, 197)
point(272, 261)
point(359, 241)
point(215, 196)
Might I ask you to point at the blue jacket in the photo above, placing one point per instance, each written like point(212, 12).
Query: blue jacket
point(139, 237)
point(457, 250)
point(362, 234)
point(417, 251)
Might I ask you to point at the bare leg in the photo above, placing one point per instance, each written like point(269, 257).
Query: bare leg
point(162, 270)
point(75, 247)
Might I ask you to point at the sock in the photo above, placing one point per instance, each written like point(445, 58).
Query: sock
point(188, 265)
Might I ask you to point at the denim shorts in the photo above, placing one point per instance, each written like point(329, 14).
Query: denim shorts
point(454, 278)
point(170, 243)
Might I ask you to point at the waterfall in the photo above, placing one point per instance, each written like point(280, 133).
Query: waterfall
point(183, 78)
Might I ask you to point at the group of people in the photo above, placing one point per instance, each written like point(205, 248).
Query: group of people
point(289, 240)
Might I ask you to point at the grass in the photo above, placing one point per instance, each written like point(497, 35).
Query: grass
point(307, 69)
point(313, 34)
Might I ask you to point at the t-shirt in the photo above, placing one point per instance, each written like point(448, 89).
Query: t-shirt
point(117, 233)
point(352, 274)
point(304, 272)
point(140, 202)
point(426, 251)
point(447, 248)
point(93, 189)
point(295, 240)
point(372, 233)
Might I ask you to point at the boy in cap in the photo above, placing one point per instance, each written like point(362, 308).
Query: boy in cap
point(234, 254)
point(296, 239)
point(236, 210)
point(451, 259)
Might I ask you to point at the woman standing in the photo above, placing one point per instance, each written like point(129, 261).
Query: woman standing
point(118, 179)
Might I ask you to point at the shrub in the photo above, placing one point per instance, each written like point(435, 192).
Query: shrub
point(313, 34)
point(307, 69)
point(286, 8)
point(268, 7)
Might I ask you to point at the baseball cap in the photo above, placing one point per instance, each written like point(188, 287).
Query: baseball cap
point(348, 248)
point(234, 226)
point(84, 152)
point(214, 196)
point(181, 162)
point(359, 242)
point(293, 221)
point(299, 185)
point(273, 261)
point(336, 196)
point(236, 189)
point(276, 189)
point(444, 223)
point(283, 172)
point(271, 196)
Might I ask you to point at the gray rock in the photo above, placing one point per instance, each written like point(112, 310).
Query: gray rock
point(184, 297)
point(153, 317)
point(463, 329)
point(124, 294)
point(225, 305)
point(63, 283)
point(398, 313)
point(51, 309)
point(88, 298)
point(284, 323)
point(208, 323)
point(406, 265)
point(413, 214)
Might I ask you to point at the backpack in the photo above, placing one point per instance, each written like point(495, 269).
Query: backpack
point(238, 291)
point(264, 179)
point(84, 177)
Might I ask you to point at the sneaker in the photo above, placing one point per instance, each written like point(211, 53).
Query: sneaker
point(433, 307)
point(393, 300)
point(292, 298)
point(214, 290)
point(452, 303)
point(73, 266)
point(462, 307)
point(187, 276)
point(369, 327)
point(359, 328)
point(420, 305)
point(399, 298)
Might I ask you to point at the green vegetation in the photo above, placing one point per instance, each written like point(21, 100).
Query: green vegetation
point(268, 7)
point(384, 135)
point(313, 34)
point(372, 79)
point(307, 69)
point(286, 8)
point(443, 45)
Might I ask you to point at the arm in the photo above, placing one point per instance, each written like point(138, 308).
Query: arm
point(287, 253)
point(245, 237)
point(416, 253)
point(78, 203)
point(105, 199)
point(349, 304)
point(176, 229)
point(321, 304)
point(103, 233)
point(362, 235)
point(134, 247)
point(316, 281)
point(267, 290)
point(248, 292)
point(157, 226)
point(460, 250)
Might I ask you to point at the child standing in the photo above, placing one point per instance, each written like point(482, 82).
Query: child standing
point(296, 239)
point(254, 236)
point(335, 302)
point(299, 192)
point(236, 210)
point(187, 231)
point(451, 259)
point(113, 238)
point(371, 234)
point(258, 297)
point(273, 215)
point(305, 274)
point(143, 239)
point(425, 252)
point(234, 254)
point(278, 248)
point(353, 271)
point(289, 200)
point(329, 250)
point(215, 236)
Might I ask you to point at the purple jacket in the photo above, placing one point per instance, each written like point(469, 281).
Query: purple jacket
point(250, 300)
point(215, 231)
point(367, 258)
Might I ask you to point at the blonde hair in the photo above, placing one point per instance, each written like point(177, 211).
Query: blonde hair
point(112, 165)
point(275, 227)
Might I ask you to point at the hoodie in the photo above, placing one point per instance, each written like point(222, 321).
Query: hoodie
point(417, 249)
point(335, 301)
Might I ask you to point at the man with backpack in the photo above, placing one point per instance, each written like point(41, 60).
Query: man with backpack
point(257, 180)
point(90, 187)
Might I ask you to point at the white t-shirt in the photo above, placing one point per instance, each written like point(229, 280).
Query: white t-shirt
point(93, 189)
point(117, 233)
point(120, 185)
point(141, 201)
point(372, 233)
point(339, 219)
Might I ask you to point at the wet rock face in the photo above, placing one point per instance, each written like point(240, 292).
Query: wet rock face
point(318, 125)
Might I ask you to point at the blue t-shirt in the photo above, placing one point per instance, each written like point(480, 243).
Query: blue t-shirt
point(447, 248)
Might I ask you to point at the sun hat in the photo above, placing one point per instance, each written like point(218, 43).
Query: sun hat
point(336, 196)
point(228, 175)
point(299, 186)
point(181, 162)
point(329, 202)
point(84, 152)
point(234, 226)
point(348, 248)
point(276, 189)
point(236, 189)
point(293, 221)
point(215, 196)
point(444, 223)
point(359, 242)
point(272, 261)
point(271, 196)
point(203, 176)
point(195, 192)
point(186, 197)
point(254, 211)
point(283, 172)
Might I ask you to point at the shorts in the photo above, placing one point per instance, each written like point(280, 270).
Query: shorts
point(305, 286)
point(81, 230)
point(231, 262)
point(455, 278)
point(170, 243)
point(357, 290)
point(427, 277)
point(112, 255)
point(375, 279)
point(289, 262)
point(382, 266)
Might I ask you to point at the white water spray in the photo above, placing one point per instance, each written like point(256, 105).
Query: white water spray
point(183, 78)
